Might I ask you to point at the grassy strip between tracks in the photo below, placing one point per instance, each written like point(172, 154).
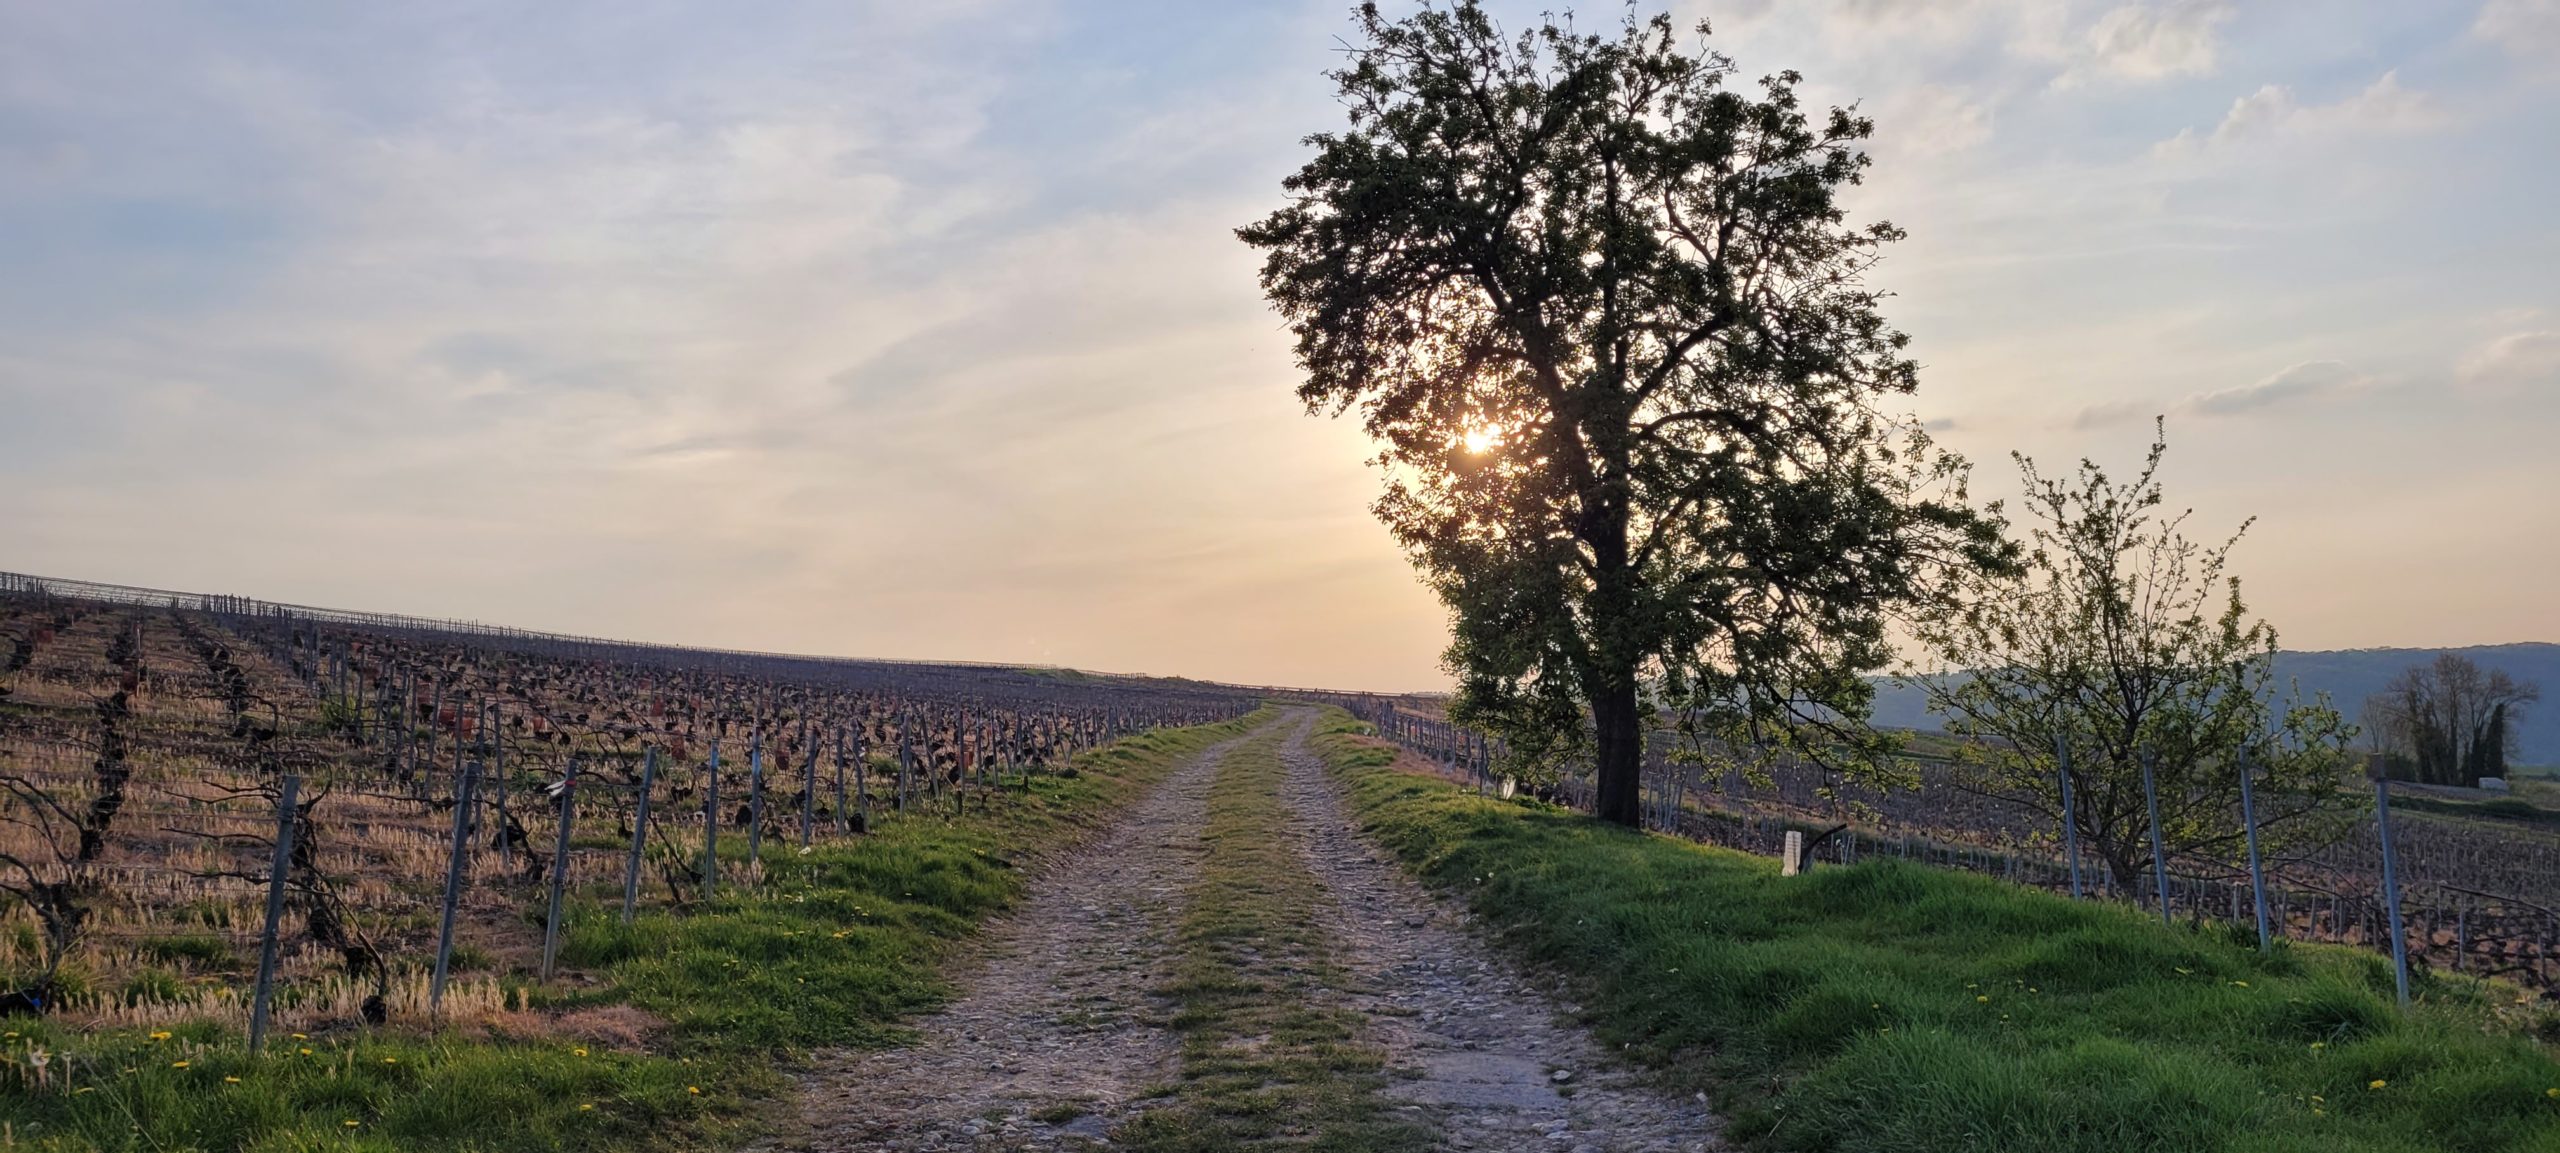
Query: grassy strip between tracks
point(1266, 1061)
point(1887, 1006)
point(835, 948)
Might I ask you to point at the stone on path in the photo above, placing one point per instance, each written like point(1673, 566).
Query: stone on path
point(1492, 1059)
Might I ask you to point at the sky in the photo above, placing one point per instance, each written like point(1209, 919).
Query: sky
point(919, 330)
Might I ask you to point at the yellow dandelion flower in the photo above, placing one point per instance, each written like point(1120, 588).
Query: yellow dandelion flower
point(2319, 1044)
point(586, 1108)
point(2552, 1093)
point(2376, 1083)
point(1983, 1000)
point(162, 1035)
point(696, 1090)
point(349, 1124)
point(177, 1064)
point(2241, 984)
point(306, 1052)
point(231, 1080)
point(578, 1052)
point(391, 1060)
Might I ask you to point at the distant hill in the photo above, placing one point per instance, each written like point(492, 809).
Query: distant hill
point(2349, 676)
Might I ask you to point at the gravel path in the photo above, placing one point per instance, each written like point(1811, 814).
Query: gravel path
point(1057, 1034)
point(1492, 1064)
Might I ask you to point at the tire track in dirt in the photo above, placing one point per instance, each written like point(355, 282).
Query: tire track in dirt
point(1058, 1033)
point(1490, 1060)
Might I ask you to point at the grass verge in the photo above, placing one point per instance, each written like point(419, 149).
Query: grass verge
point(1267, 1062)
point(1887, 1006)
point(835, 948)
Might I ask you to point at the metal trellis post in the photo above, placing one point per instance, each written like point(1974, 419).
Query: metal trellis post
point(2070, 829)
point(560, 866)
point(463, 789)
point(2391, 887)
point(2159, 856)
point(286, 789)
point(2257, 867)
point(639, 833)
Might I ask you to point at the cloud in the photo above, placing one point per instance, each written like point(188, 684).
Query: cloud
point(2516, 360)
point(2274, 112)
point(2113, 414)
point(1933, 120)
point(2141, 42)
point(2311, 378)
point(2528, 29)
point(919, 328)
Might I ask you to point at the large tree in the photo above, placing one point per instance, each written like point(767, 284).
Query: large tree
point(2449, 721)
point(1638, 404)
point(2125, 641)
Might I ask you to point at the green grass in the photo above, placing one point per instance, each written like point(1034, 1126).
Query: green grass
point(836, 948)
point(1267, 1060)
point(2511, 811)
point(1887, 1006)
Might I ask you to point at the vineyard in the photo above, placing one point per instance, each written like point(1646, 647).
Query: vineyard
point(374, 819)
point(2477, 896)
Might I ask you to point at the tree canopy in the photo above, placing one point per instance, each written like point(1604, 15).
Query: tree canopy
point(2448, 722)
point(1637, 399)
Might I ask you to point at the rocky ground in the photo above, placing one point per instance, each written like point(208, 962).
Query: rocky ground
point(1057, 1036)
point(1058, 1039)
point(1492, 1060)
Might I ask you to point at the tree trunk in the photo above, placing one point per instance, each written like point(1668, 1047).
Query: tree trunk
point(1620, 738)
point(1610, 680)
point(2126, 865)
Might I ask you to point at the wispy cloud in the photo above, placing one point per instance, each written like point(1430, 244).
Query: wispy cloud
point(2383, 108)
point(2528, 359)
point(897, 328)
point(2149, 42)
point(2286, 388)
point(2114, 414)
point(2528, 29)
point(2300, 382)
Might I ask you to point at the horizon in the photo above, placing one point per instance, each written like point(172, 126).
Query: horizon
point(892, 659)
point(885, 330)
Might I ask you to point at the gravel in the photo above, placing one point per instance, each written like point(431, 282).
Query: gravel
point(1056, 1036)
point(1490, 1059)
point(1057, 1039)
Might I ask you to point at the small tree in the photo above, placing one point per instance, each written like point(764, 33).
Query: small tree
point(2125, 640)
point(1611, 324)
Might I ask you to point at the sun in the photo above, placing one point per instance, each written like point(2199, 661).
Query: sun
point(1482, 438)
